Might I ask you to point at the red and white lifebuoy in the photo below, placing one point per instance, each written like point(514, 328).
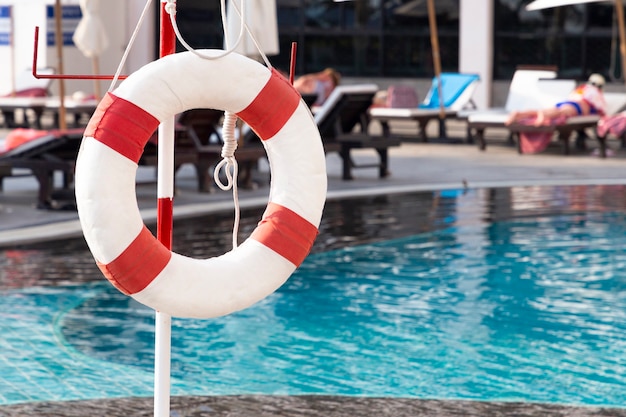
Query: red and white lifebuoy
point(125, 250)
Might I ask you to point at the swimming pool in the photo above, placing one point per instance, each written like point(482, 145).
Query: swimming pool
point(493, 295)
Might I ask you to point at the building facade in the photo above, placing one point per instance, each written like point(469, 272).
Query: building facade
point(391, 38)
point(370, 38)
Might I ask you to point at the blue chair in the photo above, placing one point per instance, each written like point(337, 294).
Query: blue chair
point(457, 91)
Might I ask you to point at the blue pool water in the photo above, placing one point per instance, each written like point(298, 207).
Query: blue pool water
point(527, 309)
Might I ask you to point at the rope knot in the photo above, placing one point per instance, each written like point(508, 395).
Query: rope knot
point(170, 7)
point(229, 163)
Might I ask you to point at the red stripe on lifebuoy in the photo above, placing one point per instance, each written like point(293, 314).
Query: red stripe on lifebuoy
point(272, 108)
point(286, 233)
point(129, 128)
point(138, 265)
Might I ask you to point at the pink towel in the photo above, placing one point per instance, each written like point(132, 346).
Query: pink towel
point(615, 124)
point(535, 142)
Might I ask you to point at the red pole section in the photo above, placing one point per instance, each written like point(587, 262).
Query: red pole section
point(292, 63)
point(165, 203)
point(167, 36)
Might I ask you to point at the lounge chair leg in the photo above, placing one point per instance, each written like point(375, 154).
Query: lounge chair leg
point(45, 180)
point(470, 137)
point(565, 139)
point(511, 139)
point(383, 170)
point(580, 140)
point(347, 164)
point(443, 132)
point(245, 175)
point(480, 139)
point(9, 119)
point(602, 144)
point(5, 171)
point(202, 174)
point(423, 135)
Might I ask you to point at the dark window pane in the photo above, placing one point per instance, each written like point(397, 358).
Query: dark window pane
point(288, 13)
point(346, 14)
point(200, 24)
point(414, 14)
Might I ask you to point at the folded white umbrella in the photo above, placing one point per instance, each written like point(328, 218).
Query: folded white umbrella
point(260, 17)
point(90, 36)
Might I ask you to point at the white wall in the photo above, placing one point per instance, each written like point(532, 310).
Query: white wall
point(476, 46)
point(26, 16)
point(120, 18)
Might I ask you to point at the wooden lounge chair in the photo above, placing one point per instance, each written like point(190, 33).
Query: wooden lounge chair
point(54, 151)
point(457, 94)
point(343, 124)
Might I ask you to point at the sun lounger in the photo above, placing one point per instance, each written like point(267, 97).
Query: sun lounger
point(343, 124)
point(524, 92)
point(562, 130)
point(27, 97)
point(457, 94)
point(54, 151)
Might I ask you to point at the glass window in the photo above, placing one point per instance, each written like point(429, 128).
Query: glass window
point(577, 39)
point(343, 14)
point(200, 23)
point(413, 14)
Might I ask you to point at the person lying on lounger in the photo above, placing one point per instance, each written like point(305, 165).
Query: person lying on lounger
point(320, 83)
point(585, 100)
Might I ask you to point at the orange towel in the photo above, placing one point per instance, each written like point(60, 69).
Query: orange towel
point(20, 136)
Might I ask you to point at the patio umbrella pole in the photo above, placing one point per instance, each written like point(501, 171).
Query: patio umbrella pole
point(95, 64)
point(59, 43)
point(165, 216)
point(434, 42)
point(619, 10)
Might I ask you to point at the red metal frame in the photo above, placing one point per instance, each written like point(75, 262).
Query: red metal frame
point(65, 76)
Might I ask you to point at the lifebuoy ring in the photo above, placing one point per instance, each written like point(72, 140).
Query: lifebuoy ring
point(131, 258)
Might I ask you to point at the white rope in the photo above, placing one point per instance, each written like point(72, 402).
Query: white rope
point(231, 168)
point(228, 163)
point(170, 8)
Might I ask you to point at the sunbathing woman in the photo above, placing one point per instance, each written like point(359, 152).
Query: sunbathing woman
point(585, 100)
point(320, 83)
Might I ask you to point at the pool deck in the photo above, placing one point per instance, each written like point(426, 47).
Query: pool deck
point(301, 406)
point(414, 167)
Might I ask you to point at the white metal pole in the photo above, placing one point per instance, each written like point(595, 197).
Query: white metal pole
point(162, 361)
point(163, 322)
